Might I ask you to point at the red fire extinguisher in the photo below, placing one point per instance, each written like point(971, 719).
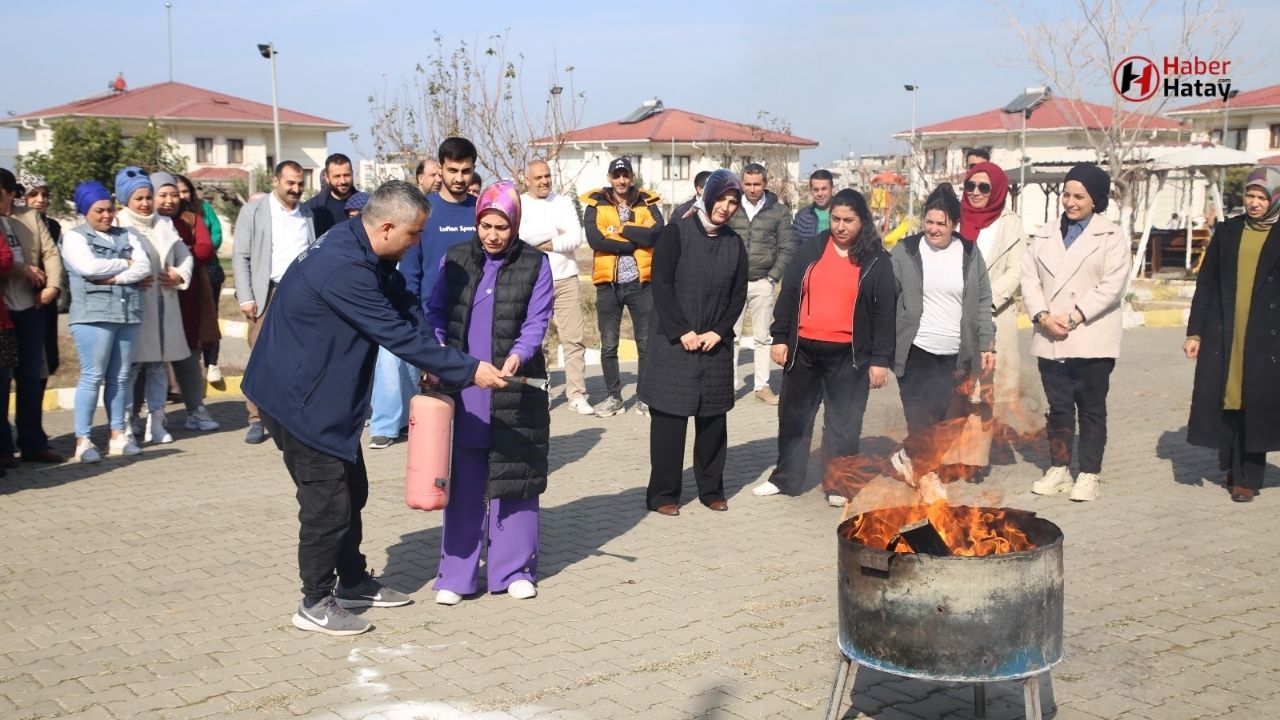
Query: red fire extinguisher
point(430, 453)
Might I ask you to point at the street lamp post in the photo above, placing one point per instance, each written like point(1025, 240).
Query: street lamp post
point(1222, 172)
point(914, 89)
point(269, 52)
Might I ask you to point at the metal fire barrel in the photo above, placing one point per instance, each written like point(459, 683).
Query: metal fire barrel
point(957, 619)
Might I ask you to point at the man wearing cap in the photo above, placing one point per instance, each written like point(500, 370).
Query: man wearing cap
point(356, 203)
point(32, 286)
point(765, 226)
point(686, 207)
point(550, 224)
point(329, 206)
point(270, 232)
point(622, 223)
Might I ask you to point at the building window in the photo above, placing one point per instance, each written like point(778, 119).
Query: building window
point(271, 163)
point(1235, 137)
point(235, 152)
point(204, 150)
point(1275, 137)
point(307, 178)
point(678, 171)
point(936, 159)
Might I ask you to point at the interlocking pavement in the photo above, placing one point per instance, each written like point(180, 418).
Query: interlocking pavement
point(161, 587)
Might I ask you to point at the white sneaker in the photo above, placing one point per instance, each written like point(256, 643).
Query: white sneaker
point(581, 406)
point(214, 375)
point(200, 420)
point(902, 463)
point(1057, 479)
point(931, 489)
point(447, 597)
point(86, 452)
point(121, 446)
point(837, 501)
point(522, 590)
point(765, 488)
point(1088, 486)
point(156, 432)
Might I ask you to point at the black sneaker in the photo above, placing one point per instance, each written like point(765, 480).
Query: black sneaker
point(379, 442)
point(370, 593)
point(330, 618)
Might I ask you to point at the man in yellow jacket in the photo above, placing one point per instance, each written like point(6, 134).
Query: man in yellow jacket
point(622, 223)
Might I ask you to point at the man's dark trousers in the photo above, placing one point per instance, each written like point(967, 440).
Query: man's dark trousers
point(610, 299)
point(331, 493)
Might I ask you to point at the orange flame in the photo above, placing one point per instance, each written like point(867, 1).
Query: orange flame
point(967, 531)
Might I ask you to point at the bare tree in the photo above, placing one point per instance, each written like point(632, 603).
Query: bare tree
point(775, 157)
point(1077, 53)
point(474, 91)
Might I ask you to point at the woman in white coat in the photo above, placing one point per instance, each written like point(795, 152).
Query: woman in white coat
point(161, 338)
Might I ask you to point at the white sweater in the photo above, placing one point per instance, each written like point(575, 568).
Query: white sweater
point(554, 219)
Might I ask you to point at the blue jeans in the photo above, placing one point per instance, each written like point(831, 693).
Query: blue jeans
point(395, 382)
point(29, 327)
point(105, 351)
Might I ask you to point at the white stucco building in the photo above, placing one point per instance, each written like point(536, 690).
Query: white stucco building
point(222, 136)
point(667, 148)
point(1253, 117)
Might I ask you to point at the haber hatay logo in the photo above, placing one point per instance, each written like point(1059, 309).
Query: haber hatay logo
point(1136, 78)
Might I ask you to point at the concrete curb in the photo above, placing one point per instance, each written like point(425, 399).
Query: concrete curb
point(65, 398)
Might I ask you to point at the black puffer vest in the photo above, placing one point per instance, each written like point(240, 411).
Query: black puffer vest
point(520, 421)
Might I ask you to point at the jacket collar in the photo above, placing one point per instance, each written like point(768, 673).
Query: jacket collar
point(1063, 262)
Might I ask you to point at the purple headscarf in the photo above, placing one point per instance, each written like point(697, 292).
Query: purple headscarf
point(501, 197)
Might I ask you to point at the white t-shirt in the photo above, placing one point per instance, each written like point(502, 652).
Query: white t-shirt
point(943, 294)
point(289, 236)
point(987, 239)
point(542, 220)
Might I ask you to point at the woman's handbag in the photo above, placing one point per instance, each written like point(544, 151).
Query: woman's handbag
point(426, 478)
point(8, 348)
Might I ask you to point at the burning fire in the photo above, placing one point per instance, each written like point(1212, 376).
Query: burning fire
point(966, 531)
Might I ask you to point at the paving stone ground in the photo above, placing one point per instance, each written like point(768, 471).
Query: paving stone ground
point(161, 587)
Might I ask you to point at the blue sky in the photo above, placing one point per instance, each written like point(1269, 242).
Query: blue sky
point(834, 72)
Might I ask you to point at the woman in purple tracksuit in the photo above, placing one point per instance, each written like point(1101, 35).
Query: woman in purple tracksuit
point(493, 300)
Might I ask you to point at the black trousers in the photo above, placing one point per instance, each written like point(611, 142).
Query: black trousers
point(929, 388)
point(823, 372)
point(610, 299)
point(331, 493)
point(666, 457)
point(1246, 468)
point(1077, 387)
point(28, 387)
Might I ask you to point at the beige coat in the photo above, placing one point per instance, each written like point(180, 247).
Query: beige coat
point(1004, 268)
point(38, 248)
point(166, 250)
point(1092, 276)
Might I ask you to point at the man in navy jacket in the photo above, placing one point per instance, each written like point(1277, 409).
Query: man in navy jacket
point(311, 374)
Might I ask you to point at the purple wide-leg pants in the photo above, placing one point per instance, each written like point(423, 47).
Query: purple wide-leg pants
point(512, 529)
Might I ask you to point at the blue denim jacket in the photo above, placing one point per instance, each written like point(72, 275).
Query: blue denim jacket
point(91, 303)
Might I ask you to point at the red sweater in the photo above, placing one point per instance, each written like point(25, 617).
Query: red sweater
point(827, 300)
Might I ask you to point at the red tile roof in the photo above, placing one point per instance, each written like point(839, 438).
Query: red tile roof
point(218, 174)
point(1272, 160)
point(1262, 97)
point(682, 126)
point(1054, 114)
point(176, 101)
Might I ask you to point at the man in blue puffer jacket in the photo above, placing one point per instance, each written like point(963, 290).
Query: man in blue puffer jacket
point(311, 373)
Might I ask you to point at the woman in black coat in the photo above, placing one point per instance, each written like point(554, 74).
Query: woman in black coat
point(1232, 336)
point(834, 331)
point(699, 288)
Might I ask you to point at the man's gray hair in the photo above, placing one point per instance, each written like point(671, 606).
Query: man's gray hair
point(395, 201)
point(755, 169)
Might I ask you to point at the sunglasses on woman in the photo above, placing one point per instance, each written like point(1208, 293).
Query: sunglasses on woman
point(983, 188)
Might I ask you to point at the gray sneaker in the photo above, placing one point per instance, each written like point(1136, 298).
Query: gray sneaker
point(642, 408)
point(610, 407)
point(370, 593)
point(330, 618)
point(256, 434)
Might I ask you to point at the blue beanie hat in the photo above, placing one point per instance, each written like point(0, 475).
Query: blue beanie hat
point(128, 180)
point(89, 192)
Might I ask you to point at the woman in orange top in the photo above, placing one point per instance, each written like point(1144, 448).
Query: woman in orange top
point(833, 334)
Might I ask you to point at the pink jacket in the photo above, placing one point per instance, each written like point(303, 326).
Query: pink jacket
point(1093, 275)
